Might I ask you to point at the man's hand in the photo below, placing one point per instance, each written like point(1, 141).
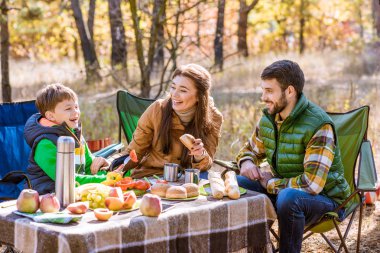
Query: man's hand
point(99, 163)
point(265, 177)
point(250, 170)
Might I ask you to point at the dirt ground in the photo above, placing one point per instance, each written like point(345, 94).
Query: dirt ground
point(370, 235)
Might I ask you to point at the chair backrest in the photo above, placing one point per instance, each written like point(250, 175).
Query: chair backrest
point(14, 151)
point(351, 128)
point(130, 108)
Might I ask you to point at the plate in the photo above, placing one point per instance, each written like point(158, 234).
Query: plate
point(207, 190)
point(186, 199)
point(60, 218)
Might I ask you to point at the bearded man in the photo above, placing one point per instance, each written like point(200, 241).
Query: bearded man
point(298, 140)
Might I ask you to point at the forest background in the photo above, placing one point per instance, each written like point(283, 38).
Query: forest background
point(98, 47)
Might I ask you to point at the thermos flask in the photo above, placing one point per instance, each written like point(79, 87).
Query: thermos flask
point(65, 171)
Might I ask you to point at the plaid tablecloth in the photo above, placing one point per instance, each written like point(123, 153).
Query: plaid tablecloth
point(203, 225)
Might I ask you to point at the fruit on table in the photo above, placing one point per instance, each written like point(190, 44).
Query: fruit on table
point(142, 185)
point(78, 207)
point(95, 194)
point(103, 214)
point(151, 205)
point(49, 203)
point(116, 192)
point(129, 199)
point(114, 203)
point(28, 201)
point(112, 178)
point(133, 156)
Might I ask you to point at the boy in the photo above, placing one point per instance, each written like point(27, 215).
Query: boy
point(58, 116)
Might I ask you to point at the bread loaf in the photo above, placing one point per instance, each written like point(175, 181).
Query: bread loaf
point(218, 189)
point(192, 190)
point(187, 140)
point(176, 192)
point(159, 189)
point(232, 187)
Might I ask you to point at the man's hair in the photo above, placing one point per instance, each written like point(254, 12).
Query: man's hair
point(49, 96)
point(286, 73)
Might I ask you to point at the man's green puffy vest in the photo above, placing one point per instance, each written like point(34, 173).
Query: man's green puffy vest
point(285, 148)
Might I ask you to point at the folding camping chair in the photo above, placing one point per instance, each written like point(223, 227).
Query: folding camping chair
point(130, 108)
point(14, 151)
point(351, 128)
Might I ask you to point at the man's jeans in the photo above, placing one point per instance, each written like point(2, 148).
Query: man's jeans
point(295, 209)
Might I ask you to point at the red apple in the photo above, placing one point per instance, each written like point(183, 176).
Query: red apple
point(28, 201)
point(49, 203)
point(129, 199)
point(78, 207)
point(114, 203)
point(151, 205)
point(103, 214)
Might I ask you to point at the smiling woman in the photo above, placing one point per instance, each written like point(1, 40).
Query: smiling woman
point(187, 109)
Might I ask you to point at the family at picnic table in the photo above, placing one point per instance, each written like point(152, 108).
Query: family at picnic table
point(296, 137)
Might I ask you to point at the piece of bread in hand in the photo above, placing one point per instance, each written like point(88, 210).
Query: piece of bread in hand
point(187, 140)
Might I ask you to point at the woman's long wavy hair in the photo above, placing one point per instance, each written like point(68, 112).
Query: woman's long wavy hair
point(202, 124)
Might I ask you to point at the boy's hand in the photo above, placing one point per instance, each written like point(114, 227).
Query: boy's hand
point(98, 163)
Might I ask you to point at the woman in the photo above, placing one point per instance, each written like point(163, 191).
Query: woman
point(187, 109)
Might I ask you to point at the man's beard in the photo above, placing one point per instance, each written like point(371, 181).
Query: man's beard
point(278, 106)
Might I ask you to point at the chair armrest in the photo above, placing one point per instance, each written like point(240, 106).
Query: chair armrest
point(108, 151)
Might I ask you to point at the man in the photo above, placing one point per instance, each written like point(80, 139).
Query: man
point(299, 142)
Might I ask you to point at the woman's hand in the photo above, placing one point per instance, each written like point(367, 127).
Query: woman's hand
point(198, 150)
point(99, 163)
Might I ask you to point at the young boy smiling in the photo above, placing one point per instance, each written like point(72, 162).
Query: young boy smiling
point(58, 115)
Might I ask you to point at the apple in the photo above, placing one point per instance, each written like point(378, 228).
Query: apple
point(28, 201)
point(116, 192)
point(103, 214)
point(49, 203)
point(129, 199)
point(78, 207)
point(114, 203)
point(151, 205)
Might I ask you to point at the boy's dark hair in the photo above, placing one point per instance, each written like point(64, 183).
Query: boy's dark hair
point(286, 73)
point(49, 96)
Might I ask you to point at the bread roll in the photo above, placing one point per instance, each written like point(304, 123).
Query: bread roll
point(232, 187)
point(176, 192)
point(187, 140)
point(159, 189)
point(218, 189)
point(192, 190)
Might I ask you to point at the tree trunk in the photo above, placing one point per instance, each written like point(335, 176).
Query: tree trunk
point(218, 42)
point(5, 84)
point(244, 11)
point(89, 54)
point(242, 29)
point(302, 28)
point(91, 19)
point(145, 77)
point(119, 44)
point(159, 57)
point(376, 16)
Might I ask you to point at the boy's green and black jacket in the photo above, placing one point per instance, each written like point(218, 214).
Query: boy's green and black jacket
point(43, 156)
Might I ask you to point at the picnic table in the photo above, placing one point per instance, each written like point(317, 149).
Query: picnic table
point(201, 225)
